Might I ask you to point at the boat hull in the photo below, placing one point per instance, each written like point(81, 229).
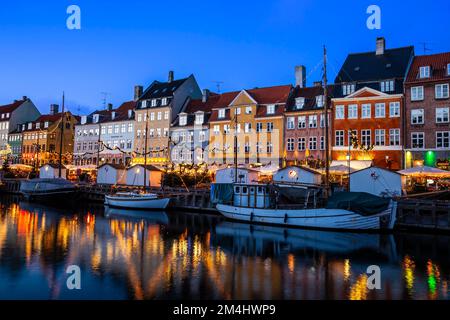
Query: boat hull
point(136, 203)
point(320, 218)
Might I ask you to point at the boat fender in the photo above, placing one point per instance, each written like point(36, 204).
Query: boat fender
point(285, 218)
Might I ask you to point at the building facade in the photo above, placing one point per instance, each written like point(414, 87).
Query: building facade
point(368, 108)
point(427, 134)
point(157, 108)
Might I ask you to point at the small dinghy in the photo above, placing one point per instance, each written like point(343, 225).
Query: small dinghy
point(134, 200)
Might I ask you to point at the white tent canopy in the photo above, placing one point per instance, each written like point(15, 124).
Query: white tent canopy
point(354, 164)
point(424, 171)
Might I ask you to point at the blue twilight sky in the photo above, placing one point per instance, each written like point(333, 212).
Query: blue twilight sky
point(242, 43)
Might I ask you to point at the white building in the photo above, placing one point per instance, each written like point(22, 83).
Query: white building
point(298, 174)
point(377, 181)
point(135, 176)
point(227, 175)
point(109, 173)
point(51, 171)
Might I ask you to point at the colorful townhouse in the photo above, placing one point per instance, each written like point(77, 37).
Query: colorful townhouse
point(427, 134)
point(161, 103)
point(41, 141)
point(11, 115)
point(256, 117)
point(190, 131)
point(368, 108)
point(305, 134)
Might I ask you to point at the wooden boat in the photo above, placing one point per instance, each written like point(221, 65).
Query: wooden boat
point(47, 189)
point(256, 203)
point(134, 200)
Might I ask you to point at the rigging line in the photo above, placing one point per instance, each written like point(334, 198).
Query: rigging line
point(343, 69)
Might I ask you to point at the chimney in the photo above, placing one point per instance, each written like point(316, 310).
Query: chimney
point(317, 83)
point(381, 46)
point(54, 108)
point(110, 106)
point(205, 95)
point(300, 76)
point(24, 98)
point(170, 79)
point(138, 90)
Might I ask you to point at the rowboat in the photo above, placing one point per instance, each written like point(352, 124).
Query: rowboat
point(136, 200)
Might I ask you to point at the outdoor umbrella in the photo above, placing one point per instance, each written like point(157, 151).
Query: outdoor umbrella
point(424, 171)
point(340, 169)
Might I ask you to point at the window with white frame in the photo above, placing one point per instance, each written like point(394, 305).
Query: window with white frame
point(166, 115)
point(380, 137)
point(365, 137)
point(352, 133)
point(312, 121)
point(394, 109)
point(290, 123)
point(322, 121)
point(290, 144)
point(237, 111)
point(166, 132)
point(159, 117)
point(221, 113)
point(247, 127)
point(394, 137)
point(352, 111)
point(416, 93)
point(46, 124)
point(348, 89)
point(158, 132)
point(339, 138)
point(442, 139)
point(301, 144)
point(164, 101)
point(312, 143)
point(418, 140)
point(299, 102)
point(153, 102)
point(322, 143)
point(424, 72)
point(417, 116)
point(216, 130)
point(366, 111)
point(339, 112)
point(271, 109)
point(380, 110)
point(441, 91)
point(448, 69)
point(226, 129)
point(302, 122)
point(130, 127)
point(442, 115)
point(248, 110)
point(319, 101)
point(199, 118)
point(387, 86)
point(269, 126)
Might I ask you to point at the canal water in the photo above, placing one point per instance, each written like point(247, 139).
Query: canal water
point(137, 255)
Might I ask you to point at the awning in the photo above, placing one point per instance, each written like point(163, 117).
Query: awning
point(424, 171)
point(354, 164)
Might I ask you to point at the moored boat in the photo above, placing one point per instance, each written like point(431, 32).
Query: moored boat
point(47, 189)
point(134, 200)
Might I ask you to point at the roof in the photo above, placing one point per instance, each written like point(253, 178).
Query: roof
point(54, 165)
point(191, 120)
point(270, 95)
point(375, 167)
point(369, 66)
point(121, 113)
point(50, 118)
point(438, 71)
point(309, 94)
point(148, 167)
point(302, 168)
point(161, 89)
point(114, 165)
point(8, 108)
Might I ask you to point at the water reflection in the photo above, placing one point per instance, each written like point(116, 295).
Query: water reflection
point(138, 255)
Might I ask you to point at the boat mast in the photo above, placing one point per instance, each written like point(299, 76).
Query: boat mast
point(327, 145)
point(61, 137)
point(235, 147)
point(145, 150)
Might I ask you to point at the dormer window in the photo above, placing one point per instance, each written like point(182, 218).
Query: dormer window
point(448, 69)
point(319, 101)
point(23, 127)
point(271, 109)
point(153, 102)
point(164, 102)
point(199, 118)
point(183, 119)
point(46, 124)
point(130, 114)
point(38, 125)
point(96, 118)
point(299, 102)
point(30, 126)
point(348, 89)
point(113, 115)
point(424, 72)
point(387, 86)
point(144, 104)
point(221, 113)
point(83, 119)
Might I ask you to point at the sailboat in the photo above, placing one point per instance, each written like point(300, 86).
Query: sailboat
point(138, 199)
point(263, 203)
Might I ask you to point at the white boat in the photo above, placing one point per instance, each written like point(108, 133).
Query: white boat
point(134, 200)
point(254, 204)
point(47, 189)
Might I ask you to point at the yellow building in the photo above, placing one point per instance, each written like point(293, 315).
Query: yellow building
point(256, 117)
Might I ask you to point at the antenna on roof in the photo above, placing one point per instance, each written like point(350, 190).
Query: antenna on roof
point(218, 84)
point(425, 48)
point(105, 96)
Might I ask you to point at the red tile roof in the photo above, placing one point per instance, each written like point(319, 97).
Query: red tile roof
point(11, 107)
point(437, 62)
point(270, 95)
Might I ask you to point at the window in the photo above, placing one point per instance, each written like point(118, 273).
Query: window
point(416, 93)
point(153, 102)
point(353, 111)
point(365, 137)
point(312, 143)
point(237, 111)
point(417, 140)
point(139, 118)
point(123, 128)
point(152, 133)
point(166, 115)
point(442, 115)
point(380, 110)
point(116, 129)
point(248, 110)
point(290, 123)
point(226, 129)
point(269, 126)
point(129, 144)
point(199, 118)
point(380, 135)
point(299, 102)
point(259, 127)
point(159, 115)
point(247, 147)
point(166, 132)
point(269, 147)
point(221, 113)
point(339, 112)
point(271, 109)
point(441, 91)
point(387, 86)
point(46, 124)
point(313, 121)
point(394, 137)
point(130, 127)
point(319, 101)
point(417, 116)
point(348, 89)
point(216, 130)
point(183, 120)
point(301, 144)
point(302, 122)
point(322, 143)
point(442, 139)
point(366, 111)
point(110, 129)
point(247, 127)
point(202, 136)
point(164, 101)
point(322, 121)
point(424, 72)
point(448, 69)
point(339, 136)
point(152, 116)
point(394, 109)
point(103, 131)
point(290, 144)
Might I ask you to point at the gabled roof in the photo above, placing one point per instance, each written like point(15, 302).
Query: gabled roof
point(302, 168)
point(8, 108)
point(270, 95)
point(438, 67)
point(369, 66)
point(309, 94)
point(148, 167)
point(117, 166)
point(50, 118)
point(162, 89)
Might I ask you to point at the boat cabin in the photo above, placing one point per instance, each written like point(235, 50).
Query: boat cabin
point(252, 196)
